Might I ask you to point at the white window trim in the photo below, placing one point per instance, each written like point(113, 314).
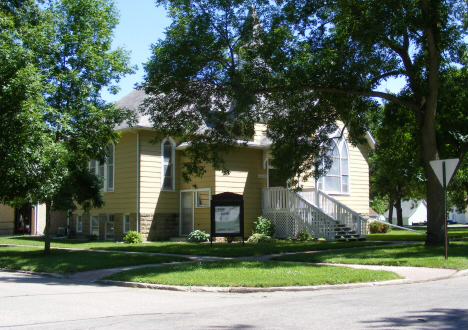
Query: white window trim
point(106, 171)
point(173, 144)
point(196, 198)
point(79, 220)
point(338, 145)
point(126, 215)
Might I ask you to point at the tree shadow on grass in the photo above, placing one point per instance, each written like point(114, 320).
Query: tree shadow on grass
point(437, 318)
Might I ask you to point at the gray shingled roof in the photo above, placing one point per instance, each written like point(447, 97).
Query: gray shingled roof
point(132, 101)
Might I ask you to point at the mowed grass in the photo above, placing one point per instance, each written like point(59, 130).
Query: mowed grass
point(205, 249)
point(406, 235)
point(250, 274)
point(69, 261)
point(418, 255)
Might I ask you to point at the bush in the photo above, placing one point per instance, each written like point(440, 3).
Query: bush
point(260, 238)
point(304, 236)
point(264, 226)
point(198, 236)
point(92, 237)
point(133, 237)
point(379, 228)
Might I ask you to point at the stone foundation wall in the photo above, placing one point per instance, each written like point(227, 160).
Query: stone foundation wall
point(159, 226)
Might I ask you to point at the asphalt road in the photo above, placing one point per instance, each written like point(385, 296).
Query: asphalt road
point(34, 302)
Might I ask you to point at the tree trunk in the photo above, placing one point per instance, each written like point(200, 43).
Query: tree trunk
point(399, 211)
point(390, 210)
point(47, 228)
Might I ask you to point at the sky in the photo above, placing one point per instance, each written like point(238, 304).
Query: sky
point(142, 24)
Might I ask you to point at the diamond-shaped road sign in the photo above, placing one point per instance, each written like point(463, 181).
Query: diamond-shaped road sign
point(450, 166)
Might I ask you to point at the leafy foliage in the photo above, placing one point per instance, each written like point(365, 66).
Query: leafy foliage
point(198, 236)
point(299, 66)
point(379, 228)
point(260, 238)
point(264, 226)
point(133, 237)
point(304, 236)
point(55, 60)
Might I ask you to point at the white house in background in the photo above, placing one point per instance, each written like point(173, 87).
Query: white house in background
point(458, 217)
point(414, 212)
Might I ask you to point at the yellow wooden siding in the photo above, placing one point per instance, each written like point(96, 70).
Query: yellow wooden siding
point(245, 165)
point(152, 199)
point(123, 198)
point(7, 220)
point(202, 215)
point(358, 198)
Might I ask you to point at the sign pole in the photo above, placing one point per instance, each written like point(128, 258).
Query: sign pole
point(445, 209)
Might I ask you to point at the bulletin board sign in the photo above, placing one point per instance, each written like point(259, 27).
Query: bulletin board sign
point(227, 216)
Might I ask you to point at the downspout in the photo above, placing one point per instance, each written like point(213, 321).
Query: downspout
point(137, 182)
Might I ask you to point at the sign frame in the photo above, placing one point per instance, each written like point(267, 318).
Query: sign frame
point(228, 206)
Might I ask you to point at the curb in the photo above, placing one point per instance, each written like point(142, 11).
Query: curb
point(249, 289)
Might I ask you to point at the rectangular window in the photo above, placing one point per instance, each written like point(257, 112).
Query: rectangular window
point(126, 223)
point(94, 230)
point(79, 224)
point(110, 168)
point(203, 198)
point(105, 171)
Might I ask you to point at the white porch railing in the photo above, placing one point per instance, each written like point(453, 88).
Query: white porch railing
point(337, 210)
point(293, 214)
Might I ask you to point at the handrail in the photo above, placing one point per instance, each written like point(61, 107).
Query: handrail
point(341, 212)
point(276, 202)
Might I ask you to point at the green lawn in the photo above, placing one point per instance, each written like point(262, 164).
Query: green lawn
point(250, 274)
point(418, 255)
point(406, 235)
point(218, 249)
point(68, 261)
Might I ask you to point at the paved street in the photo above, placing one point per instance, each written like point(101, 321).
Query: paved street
point(34, 302)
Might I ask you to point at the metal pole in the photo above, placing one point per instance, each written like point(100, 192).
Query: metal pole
point(445, 209)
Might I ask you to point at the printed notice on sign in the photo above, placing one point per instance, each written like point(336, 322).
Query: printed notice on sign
point(227, 219)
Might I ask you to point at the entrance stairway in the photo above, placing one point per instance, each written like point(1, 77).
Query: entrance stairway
point(314, 212)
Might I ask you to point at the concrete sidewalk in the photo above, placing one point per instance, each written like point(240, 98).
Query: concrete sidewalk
point(410, 274)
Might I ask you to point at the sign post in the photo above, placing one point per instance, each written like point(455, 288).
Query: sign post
point(444, 170)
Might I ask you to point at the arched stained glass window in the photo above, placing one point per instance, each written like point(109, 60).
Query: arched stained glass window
point(337, 179)
point(167, 164)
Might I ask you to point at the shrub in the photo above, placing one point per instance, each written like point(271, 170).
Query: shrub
point(379, 228)
point(198, 236)
point(304, 236)
point(264, 226)
point(260, 238)
point(92, 237)
point(133, 237)
point(71, 231)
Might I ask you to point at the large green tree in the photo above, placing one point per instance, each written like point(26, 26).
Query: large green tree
point(57, 59)
point(396, 172)
point(313, 60)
